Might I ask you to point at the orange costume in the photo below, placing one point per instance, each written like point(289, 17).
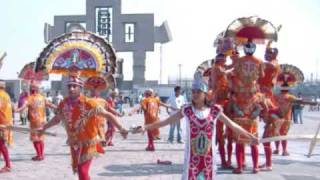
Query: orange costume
point(111, 129)
point(81, 124)
point(270, 115)
point(36, 114)
point(150, 106)
point(101, 119)
point(5, 134)
point(284, 102)
point(220, 90)
point(246, 101)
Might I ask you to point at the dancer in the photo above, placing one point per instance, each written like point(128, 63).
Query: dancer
point(201, 119)
point(284, 102)
point(150, 106)
point(271, 119)
point(220, 90)
point(36, 104)
point(5, 121)
point(96, 84)
point(79, 114)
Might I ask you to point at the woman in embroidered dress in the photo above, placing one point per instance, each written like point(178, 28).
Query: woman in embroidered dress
point(199, 162)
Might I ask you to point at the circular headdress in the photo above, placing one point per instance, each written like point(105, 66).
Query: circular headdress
point(203, 70)
point(290, 75)
point(100, 82)
point(28, 73)
point(251, 28)
point(88, 53)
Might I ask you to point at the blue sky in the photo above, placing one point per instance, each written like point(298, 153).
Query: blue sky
point(194, 25)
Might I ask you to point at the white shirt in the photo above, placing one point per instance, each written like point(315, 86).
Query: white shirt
point(176, 102)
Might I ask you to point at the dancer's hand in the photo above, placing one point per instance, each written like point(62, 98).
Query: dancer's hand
point(40, 130)
point(124, 133)
point(137, 129)
point(253, 139)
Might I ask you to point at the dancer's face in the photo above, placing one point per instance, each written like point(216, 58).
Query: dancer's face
point(198, 96)
point(34, 89)
point(74, 91)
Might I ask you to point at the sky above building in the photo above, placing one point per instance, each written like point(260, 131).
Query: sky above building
point(194, 26)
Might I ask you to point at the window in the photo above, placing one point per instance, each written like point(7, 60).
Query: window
point(129, 32)
point(104, 22)
point(75, 26)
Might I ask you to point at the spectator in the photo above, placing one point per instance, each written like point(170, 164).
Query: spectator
point(175, 101)
point(298, 108)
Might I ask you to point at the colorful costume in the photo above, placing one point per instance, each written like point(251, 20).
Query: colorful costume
point(247, 101)
point(81, 124)
point(36, 104)
point(111, 129)
point(5, 120)
point(97, 84)
point(199, 159)
point(289, 76)
point(269, 114)
point(218, 83)
point(150, 106)
point(79, 53)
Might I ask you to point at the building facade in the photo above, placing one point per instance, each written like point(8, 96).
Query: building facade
point(134, 33)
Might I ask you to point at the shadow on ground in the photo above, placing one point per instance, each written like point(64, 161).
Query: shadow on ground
point(141, 169)
point(292, 177)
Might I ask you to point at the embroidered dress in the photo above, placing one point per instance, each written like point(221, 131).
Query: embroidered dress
point(36, 114)
point(284, 103)
point(81, 124)
point(199, 161)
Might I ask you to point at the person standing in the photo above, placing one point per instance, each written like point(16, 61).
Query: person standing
point(150, 106)
point(5, 121)
point(297, 113)
point(201, 117)
point(36, 104)
point(176, 101)
point(79, 114)
point(23, 114)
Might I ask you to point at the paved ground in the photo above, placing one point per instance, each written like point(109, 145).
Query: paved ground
point(128, 160)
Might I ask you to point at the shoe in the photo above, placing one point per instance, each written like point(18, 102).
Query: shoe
point(5, 170)
point(36, 158)
point(255, 170)
point(237, 171)
point(226, 166)
point(286, 153)
point(110, 144)
point(276, 152)
point(164, 162)
point(170, 141)
point(41, 158)
point(156, 138)
point(103, 143)
point(180, 142)
point(264, 167)
point(244, 166)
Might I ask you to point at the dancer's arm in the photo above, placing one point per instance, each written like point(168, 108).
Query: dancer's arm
point(168, 106)
point(114, 121)
point(50, 105)
point(171, 119)
point(54, 121)
point(237, 129)
point(23, 107)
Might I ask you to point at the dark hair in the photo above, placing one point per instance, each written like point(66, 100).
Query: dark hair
point(177, 88)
